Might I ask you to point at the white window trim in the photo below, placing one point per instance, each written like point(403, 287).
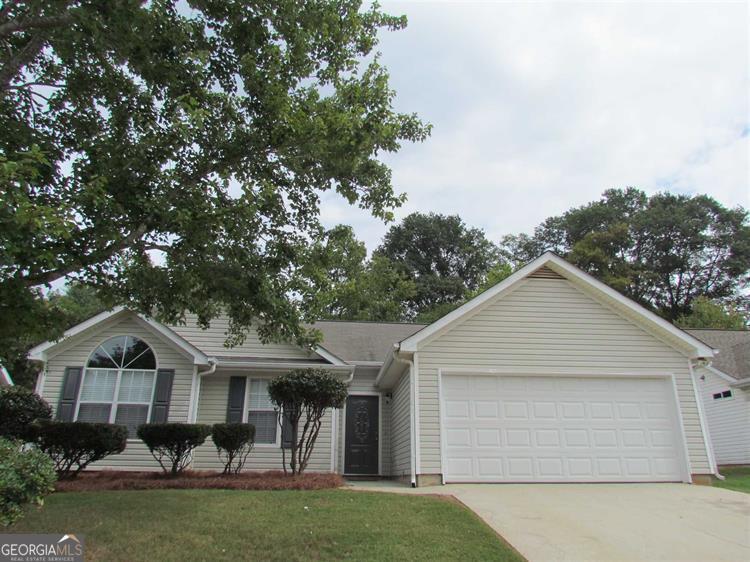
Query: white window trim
point(114, 402)
point(723, 398)
point(246, 411)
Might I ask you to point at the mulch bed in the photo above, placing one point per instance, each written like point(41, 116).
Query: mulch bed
point(197, 480)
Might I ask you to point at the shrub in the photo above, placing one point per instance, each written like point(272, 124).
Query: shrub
point(26, 476)
point(233, 441)
point(75, 445)
point(172, 443)
point(19, 408)
point(305, 394)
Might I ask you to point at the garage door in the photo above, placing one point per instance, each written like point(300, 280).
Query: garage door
point(560, 429)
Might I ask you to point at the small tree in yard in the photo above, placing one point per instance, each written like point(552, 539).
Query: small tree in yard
point(74, 445)
point(304, 395)
point(19, 408)
point(234, 442)
point(171, 444)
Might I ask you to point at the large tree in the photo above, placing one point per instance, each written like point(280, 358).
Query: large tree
point(173, 154)
point(663, 251)
point(444, 257)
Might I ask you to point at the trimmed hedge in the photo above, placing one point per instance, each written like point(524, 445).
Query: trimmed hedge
point(26, 476)
point(171, 443)
point(19, 408)
point(234, 442)
point(74, 445)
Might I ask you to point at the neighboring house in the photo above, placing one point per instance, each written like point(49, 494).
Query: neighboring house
point(725, 387)
point(5, 379)
point(549, 376)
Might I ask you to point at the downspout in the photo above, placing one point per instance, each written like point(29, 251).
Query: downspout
point(412, 416)
point(212, 363)
point(335, 427)
point(193, 417)
point(702, 417)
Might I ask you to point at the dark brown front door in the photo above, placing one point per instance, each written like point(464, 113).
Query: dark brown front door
point(361, 453)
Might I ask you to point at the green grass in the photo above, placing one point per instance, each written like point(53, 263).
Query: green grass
point(737, 478)
point(278, 525)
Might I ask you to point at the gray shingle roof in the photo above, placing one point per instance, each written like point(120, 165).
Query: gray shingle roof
point(733, 357)
point(363, 341)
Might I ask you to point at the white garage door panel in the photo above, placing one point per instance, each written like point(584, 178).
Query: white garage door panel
point(560, 429)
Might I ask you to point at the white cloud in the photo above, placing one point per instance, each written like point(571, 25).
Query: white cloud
point(539, 107)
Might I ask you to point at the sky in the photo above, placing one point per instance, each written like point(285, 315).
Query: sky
point(538, 107)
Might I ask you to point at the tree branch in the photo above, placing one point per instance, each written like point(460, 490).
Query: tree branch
point(26, 24)
point(23, 57)
point(47, 277)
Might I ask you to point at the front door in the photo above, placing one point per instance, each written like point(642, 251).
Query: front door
point(361, 451)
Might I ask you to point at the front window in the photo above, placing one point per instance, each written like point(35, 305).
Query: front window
point(118, 383)
point(261, 412)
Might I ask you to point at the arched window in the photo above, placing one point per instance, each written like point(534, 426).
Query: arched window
point(118, 383)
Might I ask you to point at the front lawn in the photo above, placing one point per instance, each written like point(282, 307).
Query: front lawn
point(278, 525)
point(736, 478)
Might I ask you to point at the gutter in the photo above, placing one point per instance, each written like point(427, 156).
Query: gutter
point(386, 365)
point(213, 363)
point(279, 366)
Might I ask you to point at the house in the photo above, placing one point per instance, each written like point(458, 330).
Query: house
point(725, 388)
point(549, 376)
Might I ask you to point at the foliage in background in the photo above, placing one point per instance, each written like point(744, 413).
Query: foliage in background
point(498, 273)
point(174, 158)
point(19, 409)
point(709, 314)
point(234, 442)
point(302, 397)
point(26, 476)
point(75, 445)
point(348, 286)
point(53, 314)
point(662, 251)
point(171, 444)
point(78, 302)
point(445, 259)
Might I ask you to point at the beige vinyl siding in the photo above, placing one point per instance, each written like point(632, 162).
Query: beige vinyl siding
point(549, 323)
point(364, 382)
point(212, 408)
point(136, 456)
point(401, 424)
point(211, 342)
point(728, 419)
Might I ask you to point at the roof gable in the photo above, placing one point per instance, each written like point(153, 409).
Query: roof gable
point(550, 265)
point(42, 351)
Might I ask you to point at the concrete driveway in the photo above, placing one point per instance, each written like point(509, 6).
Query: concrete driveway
point(607, 522)
point(603, 522)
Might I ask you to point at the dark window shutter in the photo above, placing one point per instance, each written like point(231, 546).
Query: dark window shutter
point(236, 401)
point(162, 395)
point(286, 433)
point(66, 408)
